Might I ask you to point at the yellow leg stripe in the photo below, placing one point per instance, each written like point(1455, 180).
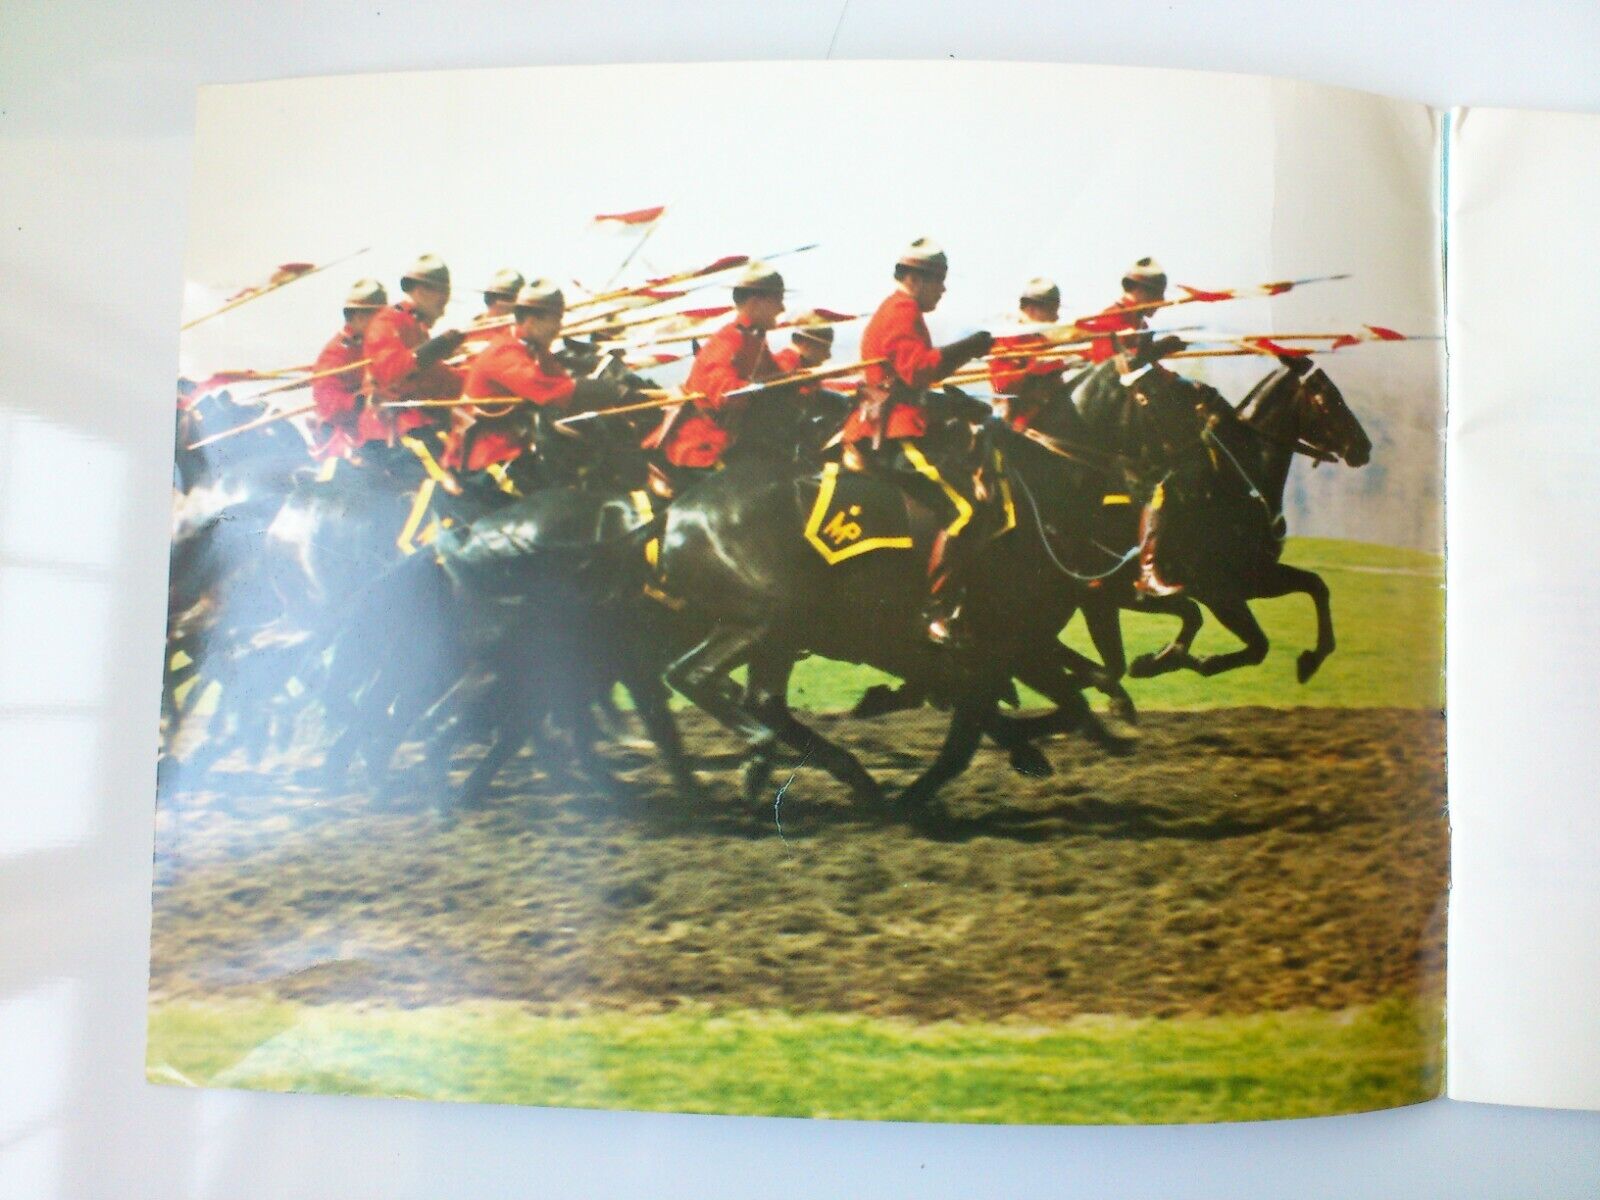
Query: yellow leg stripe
point(502, 480)
point(925, 468)
point(642, 505)
point(1158, 497)
point(419, 508)
point(329, 465)
point(1116, 498)
point(436, 473)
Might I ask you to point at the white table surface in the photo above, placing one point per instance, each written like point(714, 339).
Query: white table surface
point(96, 112)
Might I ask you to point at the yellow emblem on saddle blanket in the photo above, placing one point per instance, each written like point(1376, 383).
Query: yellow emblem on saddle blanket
point(849, 518)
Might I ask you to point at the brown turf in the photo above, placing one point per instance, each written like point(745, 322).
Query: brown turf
point(1239, 860)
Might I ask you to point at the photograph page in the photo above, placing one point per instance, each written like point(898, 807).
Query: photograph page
point(905, 591)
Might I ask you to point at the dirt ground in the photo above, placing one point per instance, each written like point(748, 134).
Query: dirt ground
point(1237, 860)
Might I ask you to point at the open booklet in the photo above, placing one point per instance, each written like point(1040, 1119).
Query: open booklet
point(883, 590)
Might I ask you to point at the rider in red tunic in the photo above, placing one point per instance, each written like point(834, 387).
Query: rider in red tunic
point(698, 434)
point(1024, 381)
point(890, 423)
point(519, 370)
point(404, 362)
point(499, 297)
point(1144, 284)
point(338, 396)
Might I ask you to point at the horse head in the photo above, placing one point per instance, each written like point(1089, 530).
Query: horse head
point(1299, 403)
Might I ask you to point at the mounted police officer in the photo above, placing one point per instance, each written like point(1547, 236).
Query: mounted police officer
point(1026, 382)
point(810, 346)
point(696, 436)
point(343, 421)
point(890, 431)
point(510, 382)
point(406, 364)
point(1144, 285)
point(499, 297)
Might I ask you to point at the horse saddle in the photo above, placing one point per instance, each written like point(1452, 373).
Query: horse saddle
point(852, 513)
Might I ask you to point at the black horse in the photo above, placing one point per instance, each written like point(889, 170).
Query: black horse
point(734, 551)
point(1223, 473)
point(535, 611)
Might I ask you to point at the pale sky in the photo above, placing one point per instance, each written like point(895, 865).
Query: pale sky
point(1017, 169)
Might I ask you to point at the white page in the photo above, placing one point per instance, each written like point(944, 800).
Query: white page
point(1524, 245)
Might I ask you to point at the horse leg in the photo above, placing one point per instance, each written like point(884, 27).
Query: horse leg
point(1237, 619)
point(585, 734)
point(1282, 580)
point(1072, 714)
point(768, 698)
point(881, 699)
point(1104, 620)
point(701, 676)
point(1175, 655)
point(967, 720)
point(650, 695)
point(509, 738)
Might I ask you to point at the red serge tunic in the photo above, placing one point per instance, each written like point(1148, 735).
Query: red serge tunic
point(508, 368)
point(336, 396)
point(732, 357)
point(898, 334)
point(392, 341)
point(788, 362)
point(1113, 320)
point(479, 340)
point(1007, 375)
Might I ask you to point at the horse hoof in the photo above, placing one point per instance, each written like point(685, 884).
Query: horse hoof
point(1143, 667)
point(932, 820)
point(1306, 665)
point(1107, 739)
point(1029, 760)
point(757, 781)
point(878, 700)
point(1122, 707)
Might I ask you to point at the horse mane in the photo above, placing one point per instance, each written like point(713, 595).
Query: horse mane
point(1263, 388)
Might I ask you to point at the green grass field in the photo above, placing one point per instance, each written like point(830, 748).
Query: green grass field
point(1388, 616)
point(1093, 1069)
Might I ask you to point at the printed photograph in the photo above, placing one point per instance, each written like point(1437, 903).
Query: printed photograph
point(899, 591)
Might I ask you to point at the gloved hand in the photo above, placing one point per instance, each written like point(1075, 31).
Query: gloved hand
point(974, 345)
point(1160, 347)
point(591, 394)
point(439, 347)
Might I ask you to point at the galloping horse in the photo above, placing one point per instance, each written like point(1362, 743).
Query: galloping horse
point(1225, 471)
point(735, 551)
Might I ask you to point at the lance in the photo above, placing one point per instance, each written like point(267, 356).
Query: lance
point(649, 217)
point(282, 277)
point(223, 378)
point(726, 263)
point(269, 419)
point(1084, 326)
point(691, 335)
point(661, 400)
point(696, 314)
point(644, 299)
